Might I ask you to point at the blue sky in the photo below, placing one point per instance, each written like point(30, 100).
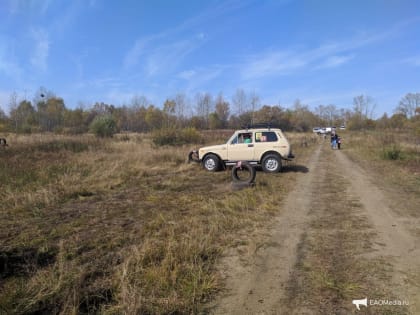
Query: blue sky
point(321, 52)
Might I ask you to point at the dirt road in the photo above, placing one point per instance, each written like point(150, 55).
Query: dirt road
point(336, 239)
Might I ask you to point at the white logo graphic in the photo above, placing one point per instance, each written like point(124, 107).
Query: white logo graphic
point(360, 302)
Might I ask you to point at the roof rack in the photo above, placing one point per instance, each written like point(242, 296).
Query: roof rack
point(268, 125)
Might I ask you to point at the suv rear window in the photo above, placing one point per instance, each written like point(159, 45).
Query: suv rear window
point(265, 136)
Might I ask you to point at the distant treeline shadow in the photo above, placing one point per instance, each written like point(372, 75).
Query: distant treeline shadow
point(295, 169)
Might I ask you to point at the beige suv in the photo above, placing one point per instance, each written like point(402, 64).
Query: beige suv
point(258, 146)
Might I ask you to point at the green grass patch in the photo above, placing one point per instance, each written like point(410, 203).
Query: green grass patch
point(392, 153)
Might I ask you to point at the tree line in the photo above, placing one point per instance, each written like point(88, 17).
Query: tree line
point(48, 113)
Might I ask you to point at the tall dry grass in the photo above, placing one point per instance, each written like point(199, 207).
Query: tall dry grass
point(120, 226)
point(393, 159)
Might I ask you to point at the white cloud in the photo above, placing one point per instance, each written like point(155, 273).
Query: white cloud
point(199, 78)
point(133, 55)
point(10, 69)
point(150, 47)
point(272, 63)
point(38, 6)
point(187, 74)
point(168, 57)
point(334, 61)
point(327, 55)
point(92, 3)
point(155, 56)
point(201, 36)
point(118, 97)
point(100, 83)
point(8, 65)
point(414, 61)
point(4, 100)
point(40, 52)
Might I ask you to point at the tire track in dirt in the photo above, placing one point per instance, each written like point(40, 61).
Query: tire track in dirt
point(334, 258)
point(394, 242)
point(257, 285)
point(355, 247)
point(335, 239)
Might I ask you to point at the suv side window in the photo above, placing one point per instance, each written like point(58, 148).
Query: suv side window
point(266, 136)
point(245, 137)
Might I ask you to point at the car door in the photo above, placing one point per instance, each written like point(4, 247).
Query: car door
point(241, 148)
point(265, 141)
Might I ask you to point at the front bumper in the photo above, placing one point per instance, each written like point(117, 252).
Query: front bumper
point(193, 156)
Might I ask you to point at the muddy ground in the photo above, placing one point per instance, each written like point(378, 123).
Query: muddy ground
point(339, 236)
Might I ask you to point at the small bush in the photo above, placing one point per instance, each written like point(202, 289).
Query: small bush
point(172, 136)
point(164, 137)
point(26, 129)
point(191, 135)
point(103, 126)
point(392, 153)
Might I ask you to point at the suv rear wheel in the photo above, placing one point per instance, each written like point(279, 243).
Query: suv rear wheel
point(211, 163)
point(271, 163)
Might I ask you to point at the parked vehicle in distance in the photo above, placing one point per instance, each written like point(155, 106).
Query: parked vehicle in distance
point(262, 146)
point(323, 130)
point(342, 127)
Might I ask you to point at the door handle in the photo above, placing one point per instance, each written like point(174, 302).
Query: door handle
point(250, 145)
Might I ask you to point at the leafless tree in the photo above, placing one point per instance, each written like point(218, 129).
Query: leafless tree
point(239, 101)
point(364, 106)
point(222, 110)
point(180, 104)
point(408, 105)
point(254, 101)
point(13, 105)
point(204, 104)
point(139, 101)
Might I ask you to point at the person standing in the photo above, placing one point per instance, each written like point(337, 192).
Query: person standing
point(333, 140)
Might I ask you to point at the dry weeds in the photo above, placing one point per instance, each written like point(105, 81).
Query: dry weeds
point(393, 159)
point(118, 226)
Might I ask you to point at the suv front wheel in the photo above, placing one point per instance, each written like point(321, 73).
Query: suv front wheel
point(211, 163)
point(271, 163)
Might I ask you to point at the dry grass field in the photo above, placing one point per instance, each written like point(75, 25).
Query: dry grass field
point(119, 226)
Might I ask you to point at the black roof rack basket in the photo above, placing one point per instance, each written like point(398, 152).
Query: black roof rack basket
point(268, 125)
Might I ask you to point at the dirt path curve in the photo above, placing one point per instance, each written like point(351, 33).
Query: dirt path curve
point(258, 286)
point(319, 256)
point(393, 240)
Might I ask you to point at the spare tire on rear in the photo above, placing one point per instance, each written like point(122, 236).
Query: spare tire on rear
point(243, 172)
